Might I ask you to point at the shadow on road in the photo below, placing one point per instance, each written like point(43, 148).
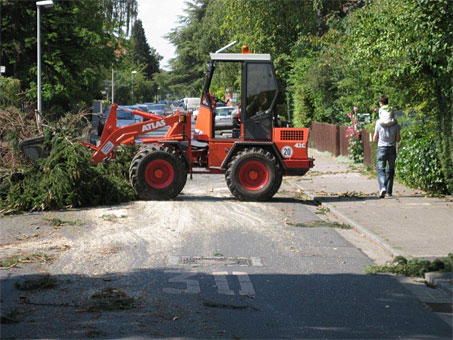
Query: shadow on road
point(192, 302)
point(329, 199)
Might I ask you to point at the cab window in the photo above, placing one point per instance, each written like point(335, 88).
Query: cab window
point(261, 89)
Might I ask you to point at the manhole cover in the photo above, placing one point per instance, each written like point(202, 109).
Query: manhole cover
point(440, 307)
point(216, 261)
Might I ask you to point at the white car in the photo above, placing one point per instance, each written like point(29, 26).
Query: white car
point(195, 112)
point(224, 117)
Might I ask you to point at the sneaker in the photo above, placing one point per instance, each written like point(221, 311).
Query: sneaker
point(382, 193)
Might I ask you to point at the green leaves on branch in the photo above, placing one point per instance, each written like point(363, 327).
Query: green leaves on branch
point(418, 162)
point(67, 178)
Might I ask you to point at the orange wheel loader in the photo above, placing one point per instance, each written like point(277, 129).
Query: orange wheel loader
point(254, 158)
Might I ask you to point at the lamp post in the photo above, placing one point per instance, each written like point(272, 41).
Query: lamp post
point(133, 79)
point(45, 3)
point(113, 87)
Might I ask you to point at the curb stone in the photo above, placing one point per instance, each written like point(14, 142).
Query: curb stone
point(443, 280)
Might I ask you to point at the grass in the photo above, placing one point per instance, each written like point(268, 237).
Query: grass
point(320, 224)
point(13, 261)
point(300, 195)
point(56, 222)
point(44, 282)
point(322, 210)
point(412, 267)
point(111, 217)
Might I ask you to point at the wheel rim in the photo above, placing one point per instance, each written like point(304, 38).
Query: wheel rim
point(253, 175)
point(159, 174)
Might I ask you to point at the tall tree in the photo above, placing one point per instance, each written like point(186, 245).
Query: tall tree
point(189, 65)
point(120, 16)
point(75, 49)
point(142, 52)
point(409, 44)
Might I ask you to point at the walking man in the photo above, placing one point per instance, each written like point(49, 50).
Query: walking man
point(386, 135)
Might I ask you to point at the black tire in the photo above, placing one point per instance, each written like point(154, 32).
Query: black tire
point(254, 175)
point(158, 172)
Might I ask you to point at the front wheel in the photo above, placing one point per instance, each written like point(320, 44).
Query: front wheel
point(254, 175)
point(158, 172)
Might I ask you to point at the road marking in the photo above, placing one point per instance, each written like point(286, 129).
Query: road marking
point(246, 284)
point(257, 262)
point(193, 287)
point(415, 204)
point(222, 283)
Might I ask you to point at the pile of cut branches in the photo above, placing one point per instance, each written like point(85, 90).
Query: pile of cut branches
point(66, 178)
point(15, 125)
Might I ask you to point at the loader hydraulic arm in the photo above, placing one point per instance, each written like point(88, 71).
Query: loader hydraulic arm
point(112, 136)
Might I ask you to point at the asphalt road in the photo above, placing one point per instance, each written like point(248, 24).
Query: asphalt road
point(203, 266)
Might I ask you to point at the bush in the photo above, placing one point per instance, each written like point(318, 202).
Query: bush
point(413, 267)
point(418, 163)
point(9, 91)
point(355, 145)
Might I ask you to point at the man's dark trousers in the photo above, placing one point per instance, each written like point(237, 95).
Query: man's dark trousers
point(386, 154)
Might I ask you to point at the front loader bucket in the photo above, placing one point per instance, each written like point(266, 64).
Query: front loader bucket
point(33, 148)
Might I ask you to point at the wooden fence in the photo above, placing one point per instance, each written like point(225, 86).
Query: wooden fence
point(332, 138)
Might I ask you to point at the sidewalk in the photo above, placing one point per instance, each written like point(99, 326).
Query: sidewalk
point(407, 224)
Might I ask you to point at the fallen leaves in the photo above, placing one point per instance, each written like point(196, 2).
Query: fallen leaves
point(14, 261)
point(43, 282)
point(109, 299)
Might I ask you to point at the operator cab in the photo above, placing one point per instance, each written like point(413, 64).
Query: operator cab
point(248, 83)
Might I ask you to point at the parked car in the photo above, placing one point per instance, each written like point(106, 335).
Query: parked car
point(124, 118)
point(224, 117)
point(142, 107)
point(158, 109)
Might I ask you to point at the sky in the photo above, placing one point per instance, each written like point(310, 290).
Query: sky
point(159, 17)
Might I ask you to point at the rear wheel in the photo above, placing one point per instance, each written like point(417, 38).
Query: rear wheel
point(254, 175)
point(158, 172)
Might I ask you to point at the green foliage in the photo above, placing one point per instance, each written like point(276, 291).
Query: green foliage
point(67, 178)
point(132, 88)
point(188, 68)
point(75, 50)
point(80, 40)
point(314, 81)
point(413, 267)
point(120, 16)
point(9, 92)
point(142, 53)
point(400, 48)
point(418, 163)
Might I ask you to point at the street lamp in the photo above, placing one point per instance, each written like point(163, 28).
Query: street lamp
point(45, 3)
